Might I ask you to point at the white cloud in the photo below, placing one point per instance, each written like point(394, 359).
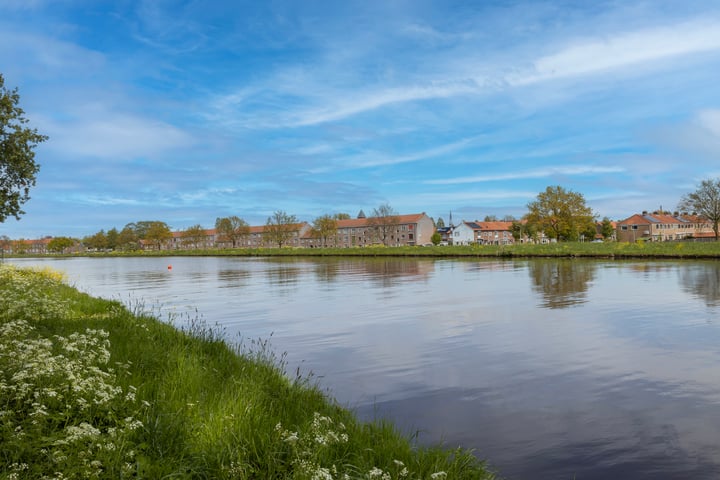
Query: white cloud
point(537, 173)
point(710, 121)
point(623, 50)
point(117, 136)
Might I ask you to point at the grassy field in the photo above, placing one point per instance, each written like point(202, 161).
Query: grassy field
point(569, 249)
point(89, 389)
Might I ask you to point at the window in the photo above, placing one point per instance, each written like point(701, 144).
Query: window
point(623, 227)
point(634, 227)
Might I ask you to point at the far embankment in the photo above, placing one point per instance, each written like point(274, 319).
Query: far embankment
point(564, 249)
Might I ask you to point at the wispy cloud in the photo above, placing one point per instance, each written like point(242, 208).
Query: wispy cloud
point(622, 50)
point(536, 173)
point(116, 136)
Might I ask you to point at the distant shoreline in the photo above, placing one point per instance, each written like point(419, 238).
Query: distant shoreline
point(608, 250)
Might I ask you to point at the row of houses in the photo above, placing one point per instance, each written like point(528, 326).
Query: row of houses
point(396, 231)
point(661, 226)
point(415, 229)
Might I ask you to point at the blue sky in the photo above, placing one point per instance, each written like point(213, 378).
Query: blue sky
point(185, 111)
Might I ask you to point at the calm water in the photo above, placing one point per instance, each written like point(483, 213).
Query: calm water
point(549, 369)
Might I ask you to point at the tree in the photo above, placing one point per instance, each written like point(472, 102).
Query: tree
point(194, 236)
point(341, 216)
point(561, 214)
point(157, 233)
point(606, 228)
point(384, 221)
point(17, 156)
point(436, 238)
point(440, 223)
point(325, 227)
point(112, 238)
point(98, 241)
point(232, 229)
point(490, 218)
point(705, 202)
point(127, 239)
point(280, 228)
point(60, 244)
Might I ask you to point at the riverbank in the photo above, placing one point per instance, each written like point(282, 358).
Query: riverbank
point(90, 389)
point(620, 250)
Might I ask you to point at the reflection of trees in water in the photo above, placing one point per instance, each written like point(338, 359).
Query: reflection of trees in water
point(703, 281)
point(562, 283)
point(283, 271)
point(233, 278)
point(327, 270)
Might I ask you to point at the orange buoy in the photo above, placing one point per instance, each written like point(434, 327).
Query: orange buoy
point(169, 267)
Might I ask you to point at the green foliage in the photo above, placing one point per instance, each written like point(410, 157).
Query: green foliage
point(154, 232)
point(561, 214)
point(231, 229)
point(17, 154)
point(436, 238)
point(60, 244)
point(606, 229)
point(98, 241)
point(324, 228)
point(89, 390)
point(194, 236)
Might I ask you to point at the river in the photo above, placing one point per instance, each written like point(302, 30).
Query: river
point(562, 369)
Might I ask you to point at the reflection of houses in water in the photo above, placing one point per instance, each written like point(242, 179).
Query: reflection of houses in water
point(703, 281)
point(388, 270)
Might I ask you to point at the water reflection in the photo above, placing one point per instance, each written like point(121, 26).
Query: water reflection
point(233, 278)
point(703, 281)
point(562, 283)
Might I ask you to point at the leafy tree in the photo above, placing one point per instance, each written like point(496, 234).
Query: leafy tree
point(436, 238)
point(17, 156)
point(97, 241)
point(194, 236)
point(231, 229)
point(561, 214)
point(440, 223)
point(384, 221)
point(490, 218)
point(704, 201)
point(508, 218)
point(60, 244)
point(157, 233)
point(280, 228)
point(341, 216)
point(606, 228)
point(112, 238)
point(127, 239)
point(325, 227)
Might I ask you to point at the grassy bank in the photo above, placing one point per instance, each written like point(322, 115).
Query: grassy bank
point(89, 389)
point(570, 249)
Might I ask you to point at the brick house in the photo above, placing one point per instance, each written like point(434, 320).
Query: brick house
point(404, 230)
point(661, 226)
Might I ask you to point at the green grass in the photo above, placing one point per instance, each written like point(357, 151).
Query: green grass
point(568, 249)
point(89, 389)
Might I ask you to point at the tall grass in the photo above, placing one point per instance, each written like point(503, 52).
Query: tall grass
point(89, 389)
